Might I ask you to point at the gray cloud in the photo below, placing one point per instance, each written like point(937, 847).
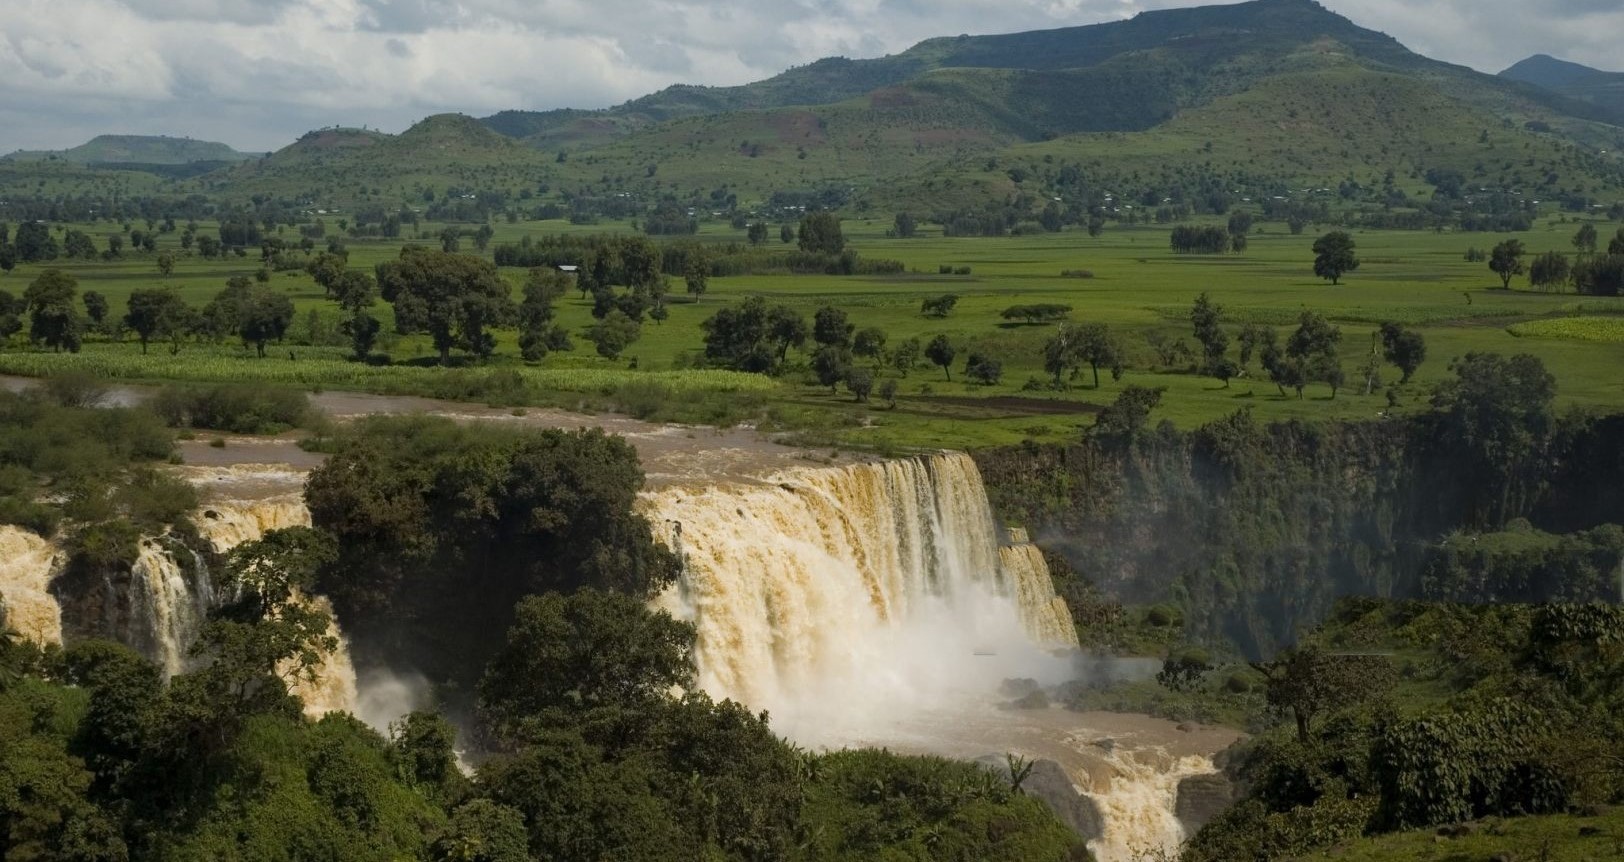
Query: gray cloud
point(256, 73)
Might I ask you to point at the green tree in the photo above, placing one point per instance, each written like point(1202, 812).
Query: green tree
point(1549, 271)
point(95, 307)
point(941, 352)
point(538, 334)
point(483, 831)
point(263, 316)
point(1308, 682)
point(938, 306)
point(832, 364)
point(740, 337)
point(1076, 345)
point(860, 382)
point(53, 317)
point(1506, 260)
point(11, 309)
point(614, 334)
point(1314, 347)
point(446, 524)
point(1584, 242)
point(786, 234)
point(906, 355)
point(577, 653)
point(831, 328)
point(983, 369)
point(34, 243)
point(869, 343)
point(697, 275)
point(156, 312)
point(820, 233)
point(1126, 419)
point(905, 226)
point(757, 233)
point(454, 298)
point(1334, 256)
point(1404, 348)
point(78, 244)
point(1206, 317)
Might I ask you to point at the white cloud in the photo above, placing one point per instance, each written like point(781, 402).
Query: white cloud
point(256, 73)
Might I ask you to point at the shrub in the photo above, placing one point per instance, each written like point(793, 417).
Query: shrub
point(239, 409)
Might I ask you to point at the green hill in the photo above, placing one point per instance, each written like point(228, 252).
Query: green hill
point(1259, 95)
point(137, 150)
point(1280, 90)
point(354, 165)
point(1605, 90)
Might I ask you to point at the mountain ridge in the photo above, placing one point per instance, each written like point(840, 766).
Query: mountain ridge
point(137, 149)
point(1576, 81)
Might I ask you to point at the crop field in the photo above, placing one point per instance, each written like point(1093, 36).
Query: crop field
point(1134, 284)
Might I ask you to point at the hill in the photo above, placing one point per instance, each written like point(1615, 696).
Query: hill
point(1251, 97)
point(1594, 86)
point(355, 166)
point(136, 150)
point(1267, 94)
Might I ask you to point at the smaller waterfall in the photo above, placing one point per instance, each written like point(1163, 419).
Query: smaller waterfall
point(27, 564)
point(1045, 615)
point(229, 523)
point(170, 600)
point(1137, 801)
point(334, 687)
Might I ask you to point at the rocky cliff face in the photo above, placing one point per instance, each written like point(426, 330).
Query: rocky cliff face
point(1257, 529)
point(1202, 798)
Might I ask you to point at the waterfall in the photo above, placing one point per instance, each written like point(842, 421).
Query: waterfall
point(844, 599)
point(27, 564)
point(169, 600)
point(1137, 800)
point(334, 687)
point(229, 523)
point(1045, 615)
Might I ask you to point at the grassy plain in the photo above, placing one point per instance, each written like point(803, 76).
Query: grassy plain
point(1138, 287)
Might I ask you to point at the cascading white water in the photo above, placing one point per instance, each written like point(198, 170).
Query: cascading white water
point(27, 564)
point(229, 523)
point(1045, 615)
point(844, 599)
point(169, 601)
point(1137, 799)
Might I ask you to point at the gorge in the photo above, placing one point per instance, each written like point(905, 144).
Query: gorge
point(860, 603)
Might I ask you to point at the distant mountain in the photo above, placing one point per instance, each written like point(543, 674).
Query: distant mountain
point(1116, 76)
point(1594, 86)
point(436, 152)
point(1267, 94)
point(1282, 90)
point(137, 150)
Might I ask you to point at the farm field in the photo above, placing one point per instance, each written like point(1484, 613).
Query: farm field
point(1137, 286)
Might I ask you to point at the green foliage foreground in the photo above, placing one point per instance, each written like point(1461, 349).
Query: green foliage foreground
point(1477, 712)
point(590, 757)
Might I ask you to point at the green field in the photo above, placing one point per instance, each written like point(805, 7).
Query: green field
point(1138, 287)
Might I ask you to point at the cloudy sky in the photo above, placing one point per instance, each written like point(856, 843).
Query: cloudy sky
point(257, 73)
